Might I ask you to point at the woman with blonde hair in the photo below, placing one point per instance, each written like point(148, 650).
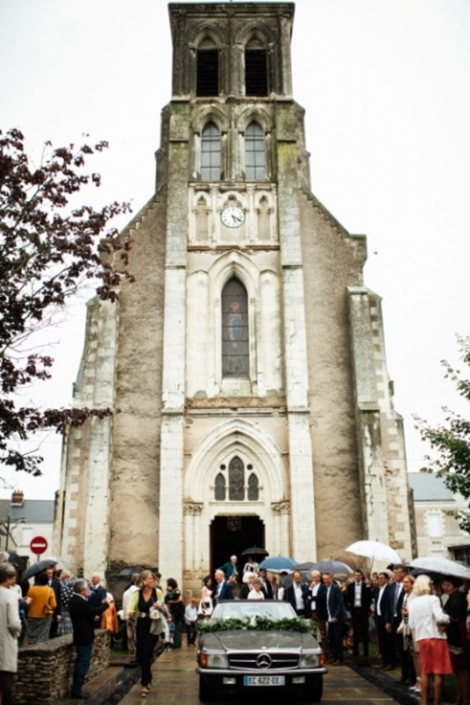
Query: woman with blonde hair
point(425, 617)
point(142, 601)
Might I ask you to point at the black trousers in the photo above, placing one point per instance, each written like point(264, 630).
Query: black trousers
point(360, 625)
point(145, 647)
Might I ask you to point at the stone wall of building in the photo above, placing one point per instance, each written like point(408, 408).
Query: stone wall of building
point(45, 671)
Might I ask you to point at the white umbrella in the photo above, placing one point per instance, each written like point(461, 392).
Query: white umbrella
point(438, 564)
point(374, 550)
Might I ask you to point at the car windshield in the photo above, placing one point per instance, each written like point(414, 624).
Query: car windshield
point(245, 609)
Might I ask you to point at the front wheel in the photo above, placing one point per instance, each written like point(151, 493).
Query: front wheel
point(206, 693)
point(313, 691)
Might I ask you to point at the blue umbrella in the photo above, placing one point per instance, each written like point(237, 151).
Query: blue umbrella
point(277, 563)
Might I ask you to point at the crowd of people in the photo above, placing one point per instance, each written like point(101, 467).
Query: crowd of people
point(416, 625)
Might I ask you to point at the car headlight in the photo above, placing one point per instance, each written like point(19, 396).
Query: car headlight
point(213, 660)
point(307, 660)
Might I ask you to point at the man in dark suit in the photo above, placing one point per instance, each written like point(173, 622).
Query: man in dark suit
point(393, 604)
point(97, 594)
point(57, 615)
point(223, 590)
point(379, 607)
point(297, 594)
point(267, 588)
point(359, 598)
point(83, 616)
point(336, 619)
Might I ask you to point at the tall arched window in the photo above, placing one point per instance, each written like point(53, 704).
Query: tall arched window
point(256, 69)
point(235, 336)
point(207, 59)
point(255, 155)
point(210, 153)
point(236, 480)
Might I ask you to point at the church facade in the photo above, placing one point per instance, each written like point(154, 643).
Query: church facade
point(246, 364)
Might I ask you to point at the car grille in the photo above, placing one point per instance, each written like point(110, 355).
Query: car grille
point(270, 661)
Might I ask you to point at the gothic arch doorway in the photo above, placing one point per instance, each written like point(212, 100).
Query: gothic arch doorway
point(230, 535)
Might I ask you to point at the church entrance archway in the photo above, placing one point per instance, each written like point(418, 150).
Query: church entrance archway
point(231, 535)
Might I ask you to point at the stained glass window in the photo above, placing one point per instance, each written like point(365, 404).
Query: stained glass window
point(236, 480)
point(235, 343)
point(220, 487)
point(253, 488)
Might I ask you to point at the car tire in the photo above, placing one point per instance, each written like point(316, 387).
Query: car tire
point(314, 690)
point(206, 693)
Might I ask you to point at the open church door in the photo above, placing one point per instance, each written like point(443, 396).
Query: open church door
point(230, 535)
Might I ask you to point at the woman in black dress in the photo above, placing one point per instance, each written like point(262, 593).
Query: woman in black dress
point(139, 609)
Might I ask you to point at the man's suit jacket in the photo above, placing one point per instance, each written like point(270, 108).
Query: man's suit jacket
point(366, 596)
point(229, 569)
point(335, 603)
point(319, 607)
point(267, 590)
point(224, 591)
point(383, 610)
point(289, 595)
point(97, 595)
point(83, 616)
point(392, 607)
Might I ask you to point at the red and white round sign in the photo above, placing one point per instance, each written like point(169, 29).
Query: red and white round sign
point(38, 545)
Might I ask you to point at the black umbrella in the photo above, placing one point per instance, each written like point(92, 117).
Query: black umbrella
point(255, 551)
point(37, 568)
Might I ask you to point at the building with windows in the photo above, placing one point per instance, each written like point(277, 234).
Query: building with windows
point(22, 520)
point(247, 361)
point(437, 528)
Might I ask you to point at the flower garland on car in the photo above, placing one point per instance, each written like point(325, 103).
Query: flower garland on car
point(258, 623)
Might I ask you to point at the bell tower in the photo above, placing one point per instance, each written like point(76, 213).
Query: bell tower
point(247, 360)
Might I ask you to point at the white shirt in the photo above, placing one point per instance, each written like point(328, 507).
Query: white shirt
point(299, 598)
point(378, 606)
point(255, 595)
point(357, 594)
point(423, 612)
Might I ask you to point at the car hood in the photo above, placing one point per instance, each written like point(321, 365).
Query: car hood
point(248, 640)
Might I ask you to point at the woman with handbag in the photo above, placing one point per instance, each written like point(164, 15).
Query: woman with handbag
point(456, 608)
point(142, 602)
point(206, 605)
point(426, 619)
point(42, 604)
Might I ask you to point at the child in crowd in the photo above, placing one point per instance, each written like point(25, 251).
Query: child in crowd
point(190, 619)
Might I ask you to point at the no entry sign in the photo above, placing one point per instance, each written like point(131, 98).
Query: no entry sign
point(38, 545)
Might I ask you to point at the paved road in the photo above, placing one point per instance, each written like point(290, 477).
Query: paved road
point(176, 683)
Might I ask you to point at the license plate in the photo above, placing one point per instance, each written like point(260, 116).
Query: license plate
point(264, 680)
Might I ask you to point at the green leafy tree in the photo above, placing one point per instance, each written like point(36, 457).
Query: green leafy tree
point(49, 246)
point(452, 438)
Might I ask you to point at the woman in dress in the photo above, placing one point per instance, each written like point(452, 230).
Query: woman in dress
point(456, 608)
point(145, 598)
point(250, 568)
point(206, 605)
point(41, 608)
point(174, 601)
point(425, 617)
point(67, 581)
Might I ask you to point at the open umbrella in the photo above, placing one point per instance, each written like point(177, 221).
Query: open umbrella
point(374, 550)
point(438, 564)
point(277, 563)
point(327, 566)
point(38, 567)
point(255, 551)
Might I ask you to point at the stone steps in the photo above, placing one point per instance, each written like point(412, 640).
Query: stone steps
point(108, 683)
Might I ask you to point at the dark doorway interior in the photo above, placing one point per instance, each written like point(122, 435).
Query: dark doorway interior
point(232, 535)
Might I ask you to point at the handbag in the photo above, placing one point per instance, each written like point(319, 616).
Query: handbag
point(156, 621)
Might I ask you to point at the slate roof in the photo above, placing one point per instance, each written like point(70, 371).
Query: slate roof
point(429, 488)
point(33, 511)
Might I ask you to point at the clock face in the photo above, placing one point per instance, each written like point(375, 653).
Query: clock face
point(232, 217)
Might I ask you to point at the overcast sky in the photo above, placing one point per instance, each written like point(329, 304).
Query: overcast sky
point(385, 84)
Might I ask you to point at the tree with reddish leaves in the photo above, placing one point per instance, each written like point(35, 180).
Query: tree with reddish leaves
point(49, 247)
